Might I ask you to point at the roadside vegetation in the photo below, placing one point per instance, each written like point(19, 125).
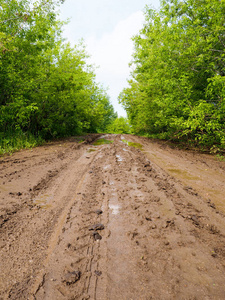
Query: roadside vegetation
point(177, 88)
point(119, 125)
point(47, 88)
point(176, 91)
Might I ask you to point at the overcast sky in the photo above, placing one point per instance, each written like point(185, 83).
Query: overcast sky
point(106, 27)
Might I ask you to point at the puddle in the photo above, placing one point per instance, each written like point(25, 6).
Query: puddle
point(43, 201)
point(106, 167)
point(183, 174)
point(217, 197)
point(91, 150)
point(102, 142)
point(119, 158)
point(115, 209)
point(135, 145)
point(105, 136)
point(4, 188)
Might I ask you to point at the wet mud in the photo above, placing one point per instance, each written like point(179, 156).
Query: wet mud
point(111, 217)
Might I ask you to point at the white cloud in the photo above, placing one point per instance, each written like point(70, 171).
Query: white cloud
point(113, 52)
point(107, 27)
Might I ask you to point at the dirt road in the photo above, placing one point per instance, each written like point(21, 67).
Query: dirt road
point(130, 219)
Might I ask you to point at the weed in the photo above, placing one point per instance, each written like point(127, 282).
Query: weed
point(220, 157)
point(13, 141)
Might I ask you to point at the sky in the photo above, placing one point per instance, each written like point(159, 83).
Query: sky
point(106, 26)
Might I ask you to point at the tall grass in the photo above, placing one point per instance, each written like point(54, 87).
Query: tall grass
point(12, 141)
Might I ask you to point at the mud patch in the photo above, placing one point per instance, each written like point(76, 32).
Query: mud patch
point(115, 208)
point(115, 229)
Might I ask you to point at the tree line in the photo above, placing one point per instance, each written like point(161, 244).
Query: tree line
point(47, 88)
point(177, 85)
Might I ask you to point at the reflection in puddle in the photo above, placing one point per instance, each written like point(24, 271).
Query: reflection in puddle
point(104, 136)
point(3, 188)
point(115, 209)
point(183, 174)
point(106, 167)
point(119, 158)
point(43, 201)
point(135, 145)
point(91, 150)
point(102, 142)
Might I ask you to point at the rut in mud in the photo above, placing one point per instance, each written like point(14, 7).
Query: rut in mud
point(110, 221)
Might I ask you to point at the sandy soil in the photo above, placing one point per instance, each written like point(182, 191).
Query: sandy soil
point(79, 221)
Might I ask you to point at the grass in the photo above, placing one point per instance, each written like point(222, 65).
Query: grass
point(14, 141)
point(220, 157)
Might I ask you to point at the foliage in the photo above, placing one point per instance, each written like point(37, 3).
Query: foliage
point(220, 157)
point(16, 140)
point(109, 116)
point(47, 88)
point(119, 126)
point(177, 88)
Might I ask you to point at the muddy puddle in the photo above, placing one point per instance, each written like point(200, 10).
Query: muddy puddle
point(4, 188)
point(106, 167)
point(91, 150)
point(102, 141)
point(43, 201)
point(119, 158)
point(115, 208)
point(132, 144)
point(184, 174)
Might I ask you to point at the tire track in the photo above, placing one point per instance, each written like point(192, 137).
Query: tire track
point(155, 238)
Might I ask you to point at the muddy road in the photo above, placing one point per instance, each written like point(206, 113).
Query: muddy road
point(126, 219)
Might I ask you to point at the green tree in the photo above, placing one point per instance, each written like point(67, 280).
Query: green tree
point(47, 87)
point(119, 125)
point(177, 90)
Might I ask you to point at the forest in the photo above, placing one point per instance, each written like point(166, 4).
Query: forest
point(47, 88)
point(176, 89)
point(177, 84)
